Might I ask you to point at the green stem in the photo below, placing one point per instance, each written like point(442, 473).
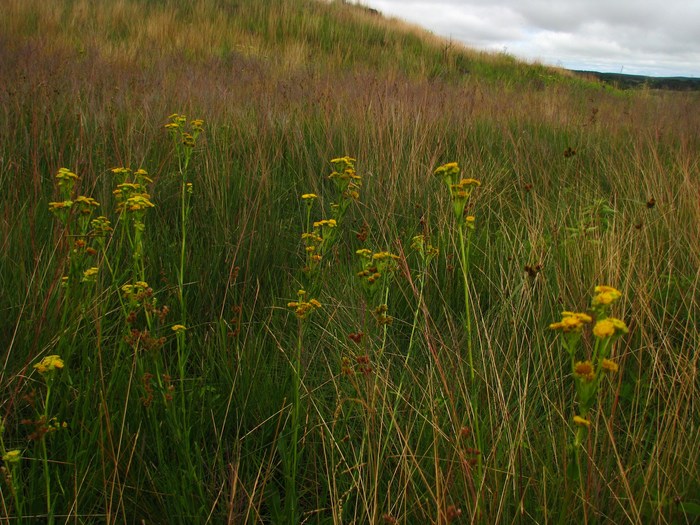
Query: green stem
point(291, 496)
point(45, 456)
point(464, 252)
point(464, 249)
point(183, 235)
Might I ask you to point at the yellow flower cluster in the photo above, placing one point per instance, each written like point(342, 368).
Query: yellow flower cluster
point(138, 202)
point(464, 188)
point(180, 131)
point(427, 252)
point(178, 328)
point(605, 296)
point(49, 364)
point(90, 275)
point(61, 205)
point(101, 226)
point(380, 315)
point(448, 172)
point(66, 179)
point(12, 457)
point(609, 327)
point(380, 256)
point(125, 175)
point(584, 370)
point(347, 181)
point(610, 366)
point(131, 192)
point(375, 265)
point(314, 241)
point(460, 191)
point(302, 309)
point(326, 223)
point(588, 374)
point(86, 204)
point(136, 291)
point(571, 322)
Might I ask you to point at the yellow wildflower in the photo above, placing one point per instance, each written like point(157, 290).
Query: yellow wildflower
point(66, 177)
point(177, 328)
point(312, 237)
point(101, 224)
point(384, 255)
point(128, 186)
point(605, 295)
point(309, 196)
point(571, 322)
point(12, 456)
point(54, 206)
point(87, 201)
point(90, 275)
point(302, 309)
point(331, 223)
point(604, 328)
point(49, 363)
point(584, 369)
point(608, 327)
point(344, 160)
point(188, 140)
point(469, 182)
point(450, 167)
point(139, 202)
point(610, 366)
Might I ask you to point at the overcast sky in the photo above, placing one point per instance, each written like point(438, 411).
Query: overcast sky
point(646, 37)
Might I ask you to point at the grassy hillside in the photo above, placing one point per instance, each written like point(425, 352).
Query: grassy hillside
point(161, 365)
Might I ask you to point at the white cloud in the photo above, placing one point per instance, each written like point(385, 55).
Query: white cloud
point(655, 37)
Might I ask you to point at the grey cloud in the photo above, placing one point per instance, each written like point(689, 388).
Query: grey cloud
point(653, 36)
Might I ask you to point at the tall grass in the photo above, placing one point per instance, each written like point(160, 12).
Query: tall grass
point(580, 185)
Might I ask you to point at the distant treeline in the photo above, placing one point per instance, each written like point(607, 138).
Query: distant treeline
point(623, 81)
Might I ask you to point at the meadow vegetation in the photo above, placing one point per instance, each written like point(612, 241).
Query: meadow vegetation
point(294, 262)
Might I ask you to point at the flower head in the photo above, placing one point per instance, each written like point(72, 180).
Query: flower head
point(66, 180)
point(605, 295)
point(609, 327)
point(302, 308)
point(343, 160)
point(610, 366)
point(49, 364)
point(330, 223)
point(571, 322)
point(90, 275)
point(12, 457)
point(178, 328)
point(584, 370)
point(448, 172)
